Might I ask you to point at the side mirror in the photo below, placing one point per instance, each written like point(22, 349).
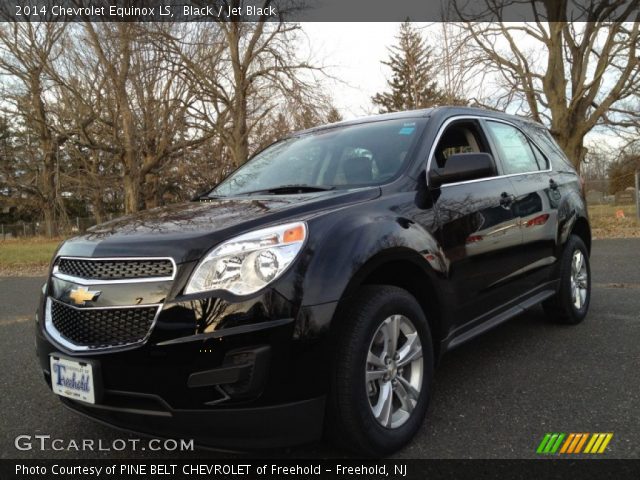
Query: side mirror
point(461, 167)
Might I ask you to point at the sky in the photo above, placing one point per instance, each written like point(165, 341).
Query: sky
point(352, 53)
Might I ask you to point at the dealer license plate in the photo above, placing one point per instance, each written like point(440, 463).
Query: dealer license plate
point(72, 379)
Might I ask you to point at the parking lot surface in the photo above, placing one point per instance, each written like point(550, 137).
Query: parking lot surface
point(494, 397)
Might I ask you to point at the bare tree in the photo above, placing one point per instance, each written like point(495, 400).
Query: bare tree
point(245, 71)
point(622, 172)
point(147, 108)
point(164, 123)
point(126, 116)
point(454, 64)
point(91, 173)
point(27, 53)
point(572, 75)
point(263, 63)
point(113, 45)
point(296, 114)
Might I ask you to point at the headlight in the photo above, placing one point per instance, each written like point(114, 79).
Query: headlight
point(245, 264)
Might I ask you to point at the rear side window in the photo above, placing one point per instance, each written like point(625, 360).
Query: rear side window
point(552, 151)
point(543, 163)
point(517, 154)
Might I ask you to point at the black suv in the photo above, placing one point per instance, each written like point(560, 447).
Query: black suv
point(315, 289)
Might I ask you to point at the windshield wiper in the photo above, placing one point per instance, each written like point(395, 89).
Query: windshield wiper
point(284, 189)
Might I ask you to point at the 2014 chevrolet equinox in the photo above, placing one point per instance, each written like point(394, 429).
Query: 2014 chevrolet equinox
point(318, 285)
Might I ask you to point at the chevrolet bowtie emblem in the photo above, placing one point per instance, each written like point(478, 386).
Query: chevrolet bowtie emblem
point(81, 295)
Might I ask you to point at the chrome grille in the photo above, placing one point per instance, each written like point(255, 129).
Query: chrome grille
point(94, 328)
point(115, 269)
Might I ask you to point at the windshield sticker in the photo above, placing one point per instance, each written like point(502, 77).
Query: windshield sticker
point(406, 130)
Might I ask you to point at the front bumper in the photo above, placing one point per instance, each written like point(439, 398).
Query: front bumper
point(231, 428)
point(259, 380)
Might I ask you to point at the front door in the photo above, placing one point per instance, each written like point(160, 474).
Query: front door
point(477, 229)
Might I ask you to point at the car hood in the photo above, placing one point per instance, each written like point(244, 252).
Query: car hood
point(186, 231)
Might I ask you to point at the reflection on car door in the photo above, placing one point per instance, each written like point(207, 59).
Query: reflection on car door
point(480, 238)
point(536, 208)
point(536, 204)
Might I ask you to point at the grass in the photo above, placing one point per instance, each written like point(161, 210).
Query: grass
point(605, 223)
point(31, 256)
point(26, 256)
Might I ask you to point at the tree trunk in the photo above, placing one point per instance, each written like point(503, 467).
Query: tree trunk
point(49, 219)
point(573, 147)
point(97, 203)
point(132, 180)
point(152, 196)
point(98, 208)
point(240, 147)
point(48, 149)
point(131, 193)
point(48, 189)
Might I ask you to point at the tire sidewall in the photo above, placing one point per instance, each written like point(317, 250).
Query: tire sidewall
point(576, 315)
point(386, 439)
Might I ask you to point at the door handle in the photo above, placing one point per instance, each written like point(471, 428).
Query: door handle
point(506, 199)
point(552, 184)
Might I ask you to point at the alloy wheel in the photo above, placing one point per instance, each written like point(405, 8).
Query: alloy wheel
point(579, 279)
point(394, 371)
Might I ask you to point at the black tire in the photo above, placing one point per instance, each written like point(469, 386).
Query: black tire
point(561, 308)
point(351, 421)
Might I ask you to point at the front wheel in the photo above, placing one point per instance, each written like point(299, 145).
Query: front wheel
point(571, 304)
point(382, 371)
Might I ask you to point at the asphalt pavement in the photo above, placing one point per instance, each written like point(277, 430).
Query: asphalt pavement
point(494, 397)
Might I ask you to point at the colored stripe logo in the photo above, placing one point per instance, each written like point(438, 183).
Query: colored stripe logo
point(562, 443)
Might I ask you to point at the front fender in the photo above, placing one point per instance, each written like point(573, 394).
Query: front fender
point(347, 243)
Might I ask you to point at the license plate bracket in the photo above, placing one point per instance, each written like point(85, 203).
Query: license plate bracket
point(76, 378)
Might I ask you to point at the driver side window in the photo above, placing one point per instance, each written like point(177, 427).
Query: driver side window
point(460, 137)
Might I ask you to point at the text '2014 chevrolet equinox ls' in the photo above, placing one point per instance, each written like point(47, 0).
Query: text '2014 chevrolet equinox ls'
point(316, 287)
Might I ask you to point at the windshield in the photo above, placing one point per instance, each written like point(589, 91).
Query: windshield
point(343, 157)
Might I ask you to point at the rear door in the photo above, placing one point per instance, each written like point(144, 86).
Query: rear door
point(536, 205)
point(477, 229)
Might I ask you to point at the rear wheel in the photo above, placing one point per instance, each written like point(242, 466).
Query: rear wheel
point(382, 371)
point(571, 304)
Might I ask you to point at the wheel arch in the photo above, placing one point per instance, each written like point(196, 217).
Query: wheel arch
point(405, 269)
point(573, 219)
point(582, 229)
